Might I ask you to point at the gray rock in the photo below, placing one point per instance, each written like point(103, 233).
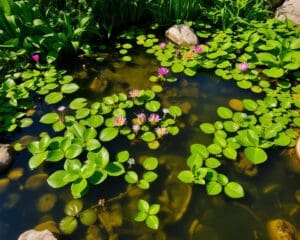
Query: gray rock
point(182, 35)
point(290, 9)
point(5, 156)
point(37, 235)
point(276, 3)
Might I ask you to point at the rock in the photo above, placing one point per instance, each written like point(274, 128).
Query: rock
point(182, 35)
point(279, 229)
point(3, 184)
point(290, 9)
point(292, 159)
point(198, 231)
point(36, 181)
point(37, 235)
point(5, 156)
point(93, 233)
point(15, 174)
point(46, 202)
point(48, 225)
point(245, 166)
point(276, 3)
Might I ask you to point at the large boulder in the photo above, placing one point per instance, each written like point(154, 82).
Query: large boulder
point(5, 156)
point(37, 235)
point(290, 9)
point(182, 35)
point(279, 229)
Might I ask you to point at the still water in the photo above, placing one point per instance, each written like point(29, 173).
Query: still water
point(187, 213)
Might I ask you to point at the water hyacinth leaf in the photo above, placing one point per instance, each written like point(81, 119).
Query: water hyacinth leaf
point(78, 103)
point(69, 88)
point(53, 97)
point(230, 153)
point(150, 163)
point(73, 207)
point(234, 190)
point(224, 112)
point(148, 136)
point(131, 177)
point(26, 122)
point(122, 156)
point(114, 169)
point(186, 176)
point(95, 121)
point(177, 68)
point(150, 176)
point(207, 128)
point(49, 118)
point(68, 225)
point(213, 188)
point(256, 155)
point(73, 151)
point(143, 205)
point(152, 222)
point(154, 209)
point(37, 159)
point(153, 106)
point(274, 72)
point(108, 134)
point(79, 188)
point(57, 179)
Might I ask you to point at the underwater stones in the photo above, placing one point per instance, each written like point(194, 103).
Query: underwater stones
point(290, 9)
point(245, 166)
point(15, 174)
point(25, 140)
point(279, 229)
point(292, 159)
point(93, 233)
point(4, 182)
point(46, 202)
point(48, 225)
point(36, 181)
point(99, 84)
point(198, 231)
point(111, 218)
point(182, 35)
point(236, 104)
point(37, 235)
point(5, 156)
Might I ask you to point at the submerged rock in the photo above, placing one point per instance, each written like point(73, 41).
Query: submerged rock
point(290, 9)
point(46, 202)
point(292, 158)
point(279, 229)
point(4, 182)
point(5, 156)
point(93, 233)
point(48, 225)
point(276, 3)
point(236, 104)
point(36, 181)
point(182, 35)
point(37, 235)
point(15, 174)
point(245, 166)
point(198, 231)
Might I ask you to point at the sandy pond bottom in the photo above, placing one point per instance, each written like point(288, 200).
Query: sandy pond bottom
point(186, 212)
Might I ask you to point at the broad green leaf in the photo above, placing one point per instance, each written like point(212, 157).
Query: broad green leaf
point(56, 179)
point(177, 68)
point(256, 155)
point(69, 88)
point(234, 190)
point(73, 151)
point(79, 188)
point(213, 188)
point(92, 144)
point(186, 176)
point(73, 207)
point(207, 128)
point(68, 225)
point(143, 184)
point(249, 104)
point(140, 216)
point(78, 103)
point(122, 156)
point(55, 155)
point(214, 149)
point(88, 217)
point(131, 177)
point(37, 159)
point(95, 121)
point(148, 136)
point(143, 205)
point(150, 176)
point(224, 113)
point(108, 134)
point(175, 111)
point(152, 222)
point(53, 97)
point(49, 118)
point(150, 163)
point(212, 163)
point(230, 153)
point(199, 149)
point(274, 72)
point(26, 122)
point(114, 169)
point(154, 209)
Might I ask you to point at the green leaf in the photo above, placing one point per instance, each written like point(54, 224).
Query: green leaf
point(249, 104)
point(82, 113)
point(88, 217)
point(26, 122)
point(37, 159)
point(213, 188)
point(95, 121)
point(56, 179)
point(69, 88)
point(131, 177)
point(152, 222)
point(234, 190)
point(122, 156)
point(126, 58)
point(78, 103)
point(154, 209)
point(49, 118)
point(114, 169)
point(266, 57)
point(212, 163)
point(150, 176)
point(230, 153)
point(73, 151)
point(73, 207)
point(153, 106)
point(214, 149)
point(295, 44)
point(256, 155)
point(92, 144)
point(224, 113)
point(108, 134)
point(68, 225)
point(274, 72)
point(143, 205)
point(55, 155)
point(148, 136)
point(177, 68)
point(53, 97)
point(175, 111)
point(186, 176)
point(207, 128)
point(140, 216)
point(79, 188)
point(150, 163)
point(143, 184)
point(199, 149)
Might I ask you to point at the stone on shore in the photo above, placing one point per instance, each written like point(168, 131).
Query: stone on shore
point(182, 35)
point(290, 9)
point(5, 156)
point(37, 235)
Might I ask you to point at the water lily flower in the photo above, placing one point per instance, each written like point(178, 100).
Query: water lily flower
point(154, 118)
point(177, 53)
point(61, 108)
point(188, 55)
point(136, 127)
point(162, 71)
point(35, 57)
point(162, 44)
point(141, 118)
point(130, 162)
point(161, 131)
point(165, 110)
point(243, 66)
point(198, 49)
point(134, 93)
point(119, 121)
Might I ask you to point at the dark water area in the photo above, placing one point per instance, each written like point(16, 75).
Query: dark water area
point(187, 212)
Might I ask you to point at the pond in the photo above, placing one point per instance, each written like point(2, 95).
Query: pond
point(187, 212)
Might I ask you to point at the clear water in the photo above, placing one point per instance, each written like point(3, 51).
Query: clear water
point(187, 213)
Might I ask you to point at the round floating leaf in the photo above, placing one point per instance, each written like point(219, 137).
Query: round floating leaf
point(152, 222)
point(108, 134)
point(57, 179)
point(207, 128)
point(58, 126)
point(148, 137)
point(115, 169)
point(157, 88)
point(244, 84)
point(143, 205)
point(256, 155)
point(199, 149)
point(175, 111)
point(68, 225)
point(177, 68)
point(153, 106)
point(230, 153)
point(131, 177)
point(212, 163)
point(123, 51)
point(82, 113)
point(88, 217)
point(73, 207)
point(249, 104)
point(73, 151)
point(49, 118)
point(126, 58)
point(274, 72)
point(127, 46)
point(213, 188)
point(122, 156)
point(92, 144)
point(189, 72)
point(150, 176)
point(95, 121)
point(53, 97)
point(214, 149)
point(234, 190)
point(26, 122)
point(153, 145)
point(224, 113)
point(231, 126)
point(186, 176)
point(78, 103)
point(69, 88)
point(150, 163)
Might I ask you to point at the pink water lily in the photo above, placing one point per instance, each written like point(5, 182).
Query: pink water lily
point(162, 44)
point(119, 121)
point(161, 131)
point(154, 118)
point(162, 71)
point(35, 57)
point(134, 93)
point(243, 66)
point(136, 128)
point(198, 49)
point(141, 118)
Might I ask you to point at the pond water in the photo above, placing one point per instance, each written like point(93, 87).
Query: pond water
point(186, 212)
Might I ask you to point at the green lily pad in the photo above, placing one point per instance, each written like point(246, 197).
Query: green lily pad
point(49, 118)
point(234, 190)
point(224, 113)
point(148, 137)
point(207, 128)
point(153, 106)
point(108, 134)
point(256, 155)
point(177, 68)
point(213, 188)
point(68, 225)
point(150, 163)
point(53, 97)
point(274, 72)
point(78, 103)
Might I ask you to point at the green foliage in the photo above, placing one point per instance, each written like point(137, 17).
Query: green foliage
point(147, 213)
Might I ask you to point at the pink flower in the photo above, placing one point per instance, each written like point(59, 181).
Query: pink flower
point(141, 118)
point(161, 131)
point(177, 53)
point(119, 121)
point(243, 66)
point(162, 71)
point(198, 49)
point(136, 127)
point(35, 57)
point(134, 93)
point(153, 118)
point(162, 44)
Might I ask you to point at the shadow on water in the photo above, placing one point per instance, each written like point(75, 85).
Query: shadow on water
point(187, 213)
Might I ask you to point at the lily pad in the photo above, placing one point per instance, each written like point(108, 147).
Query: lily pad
point(53, 97)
